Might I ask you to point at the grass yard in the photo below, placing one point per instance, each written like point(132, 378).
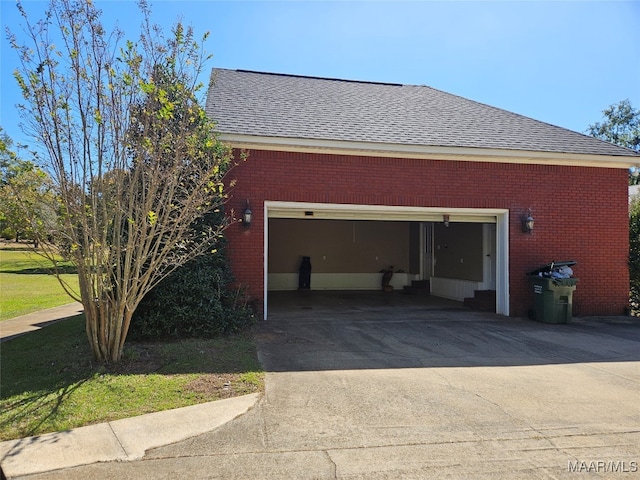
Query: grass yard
point(26, 286)
point(49, 382)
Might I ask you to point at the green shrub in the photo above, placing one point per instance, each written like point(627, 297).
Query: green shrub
point(194, 301)
point(8, 233)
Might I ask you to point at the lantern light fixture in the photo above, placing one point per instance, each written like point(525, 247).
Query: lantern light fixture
point(527, 222)
point(247, 215)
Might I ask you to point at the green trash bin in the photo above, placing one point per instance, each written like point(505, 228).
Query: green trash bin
point(552, 297)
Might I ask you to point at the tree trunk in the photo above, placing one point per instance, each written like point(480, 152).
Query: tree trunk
point(107, 324)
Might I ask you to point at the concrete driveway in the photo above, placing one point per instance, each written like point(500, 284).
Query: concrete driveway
point(381, 386)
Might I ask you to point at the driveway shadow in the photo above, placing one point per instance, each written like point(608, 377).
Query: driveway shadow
point(348, 331)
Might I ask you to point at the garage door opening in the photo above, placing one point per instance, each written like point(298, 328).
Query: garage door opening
point(454, 253)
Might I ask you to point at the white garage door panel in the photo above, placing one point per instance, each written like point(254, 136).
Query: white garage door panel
point(379, 212)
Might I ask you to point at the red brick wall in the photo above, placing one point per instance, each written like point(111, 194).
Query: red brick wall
point(580, 212)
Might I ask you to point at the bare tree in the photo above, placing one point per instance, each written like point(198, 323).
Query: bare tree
point(133, 155)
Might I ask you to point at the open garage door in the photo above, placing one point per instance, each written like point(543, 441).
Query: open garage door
point(350, 244)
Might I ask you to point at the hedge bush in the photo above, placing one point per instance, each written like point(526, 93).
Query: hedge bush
point(194, 301)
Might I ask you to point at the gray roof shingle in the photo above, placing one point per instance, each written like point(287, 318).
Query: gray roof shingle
point(290, 106)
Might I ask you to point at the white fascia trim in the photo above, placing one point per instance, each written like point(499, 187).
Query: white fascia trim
point(425, 152)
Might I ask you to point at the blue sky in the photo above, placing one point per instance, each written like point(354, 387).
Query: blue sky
point(560, 62)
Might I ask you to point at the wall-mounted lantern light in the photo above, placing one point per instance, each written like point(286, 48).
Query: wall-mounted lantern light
point(527, 222)
point(247, 215)
point(445, 219)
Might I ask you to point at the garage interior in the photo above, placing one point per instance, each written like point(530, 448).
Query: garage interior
point(449, 253)
point(447, 260)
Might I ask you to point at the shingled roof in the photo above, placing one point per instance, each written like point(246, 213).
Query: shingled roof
point(268, 105)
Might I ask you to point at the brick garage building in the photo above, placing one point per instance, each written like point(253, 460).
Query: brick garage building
point(360, 176)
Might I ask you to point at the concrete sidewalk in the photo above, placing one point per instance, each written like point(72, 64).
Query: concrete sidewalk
point(120, 440)
point(35, 321)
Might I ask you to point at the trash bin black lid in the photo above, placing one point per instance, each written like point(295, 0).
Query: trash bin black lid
point(550, 266)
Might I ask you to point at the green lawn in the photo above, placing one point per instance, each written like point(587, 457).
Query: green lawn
point(26, 286)
point(50, 383)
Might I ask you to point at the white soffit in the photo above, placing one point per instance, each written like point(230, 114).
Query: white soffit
point(424, 152)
